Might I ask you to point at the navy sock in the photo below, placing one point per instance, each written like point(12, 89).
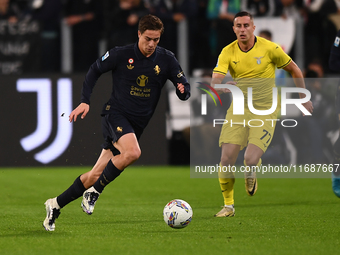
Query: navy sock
point(110, 173)
point(72, 193)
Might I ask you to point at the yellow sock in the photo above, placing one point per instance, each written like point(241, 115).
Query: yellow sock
point(227, 187)
point(227, 180)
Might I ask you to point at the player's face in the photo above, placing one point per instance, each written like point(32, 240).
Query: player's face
point(148, 41)
point(244, 28)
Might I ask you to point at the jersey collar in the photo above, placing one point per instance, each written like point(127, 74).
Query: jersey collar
point(141, 56)
point(250, 48)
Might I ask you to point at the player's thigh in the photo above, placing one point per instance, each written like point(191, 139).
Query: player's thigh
point(128, 143)
point(234, 134)
point(120, 134)
point(262, 135)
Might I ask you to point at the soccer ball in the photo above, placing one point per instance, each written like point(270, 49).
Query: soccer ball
point(177, 213)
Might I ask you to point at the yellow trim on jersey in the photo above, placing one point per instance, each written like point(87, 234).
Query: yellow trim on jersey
point(280, 67)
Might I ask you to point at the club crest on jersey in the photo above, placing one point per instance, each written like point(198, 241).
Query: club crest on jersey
point(258, 60)
point(105, 56)
point(130, 67)
point(142, 80)
point(157, 69)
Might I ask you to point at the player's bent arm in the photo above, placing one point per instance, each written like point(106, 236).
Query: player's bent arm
point(299, 81)
point(296, 73)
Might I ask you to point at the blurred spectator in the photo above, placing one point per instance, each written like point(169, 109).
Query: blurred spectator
point(8, 11)
point(48, 13)
point(266, 34)
point(84, 18)
point(121, 20)
point(310, 135)
point(171, 12)
point(288, 8)
point(201, 39)
point(319, 30)
point(221, 13)
point(259, 8)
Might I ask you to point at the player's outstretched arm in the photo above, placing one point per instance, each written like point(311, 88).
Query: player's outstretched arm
point(82, 109)
point(299, 81)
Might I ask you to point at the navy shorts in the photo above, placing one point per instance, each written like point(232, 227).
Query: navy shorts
point(114, 126)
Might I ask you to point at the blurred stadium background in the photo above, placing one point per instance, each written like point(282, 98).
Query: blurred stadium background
point(46, 48)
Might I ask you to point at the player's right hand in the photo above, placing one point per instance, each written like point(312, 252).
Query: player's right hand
point(231, 83)
point(82, 109)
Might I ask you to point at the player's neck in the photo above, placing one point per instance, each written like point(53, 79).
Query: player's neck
point(245, 46)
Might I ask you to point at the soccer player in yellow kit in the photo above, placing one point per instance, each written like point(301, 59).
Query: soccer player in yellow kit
point(251, 62)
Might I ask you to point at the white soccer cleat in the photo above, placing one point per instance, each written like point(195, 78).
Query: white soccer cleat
point(227, 211)
point(52, 213)
point(250, 182)
point(90, 197)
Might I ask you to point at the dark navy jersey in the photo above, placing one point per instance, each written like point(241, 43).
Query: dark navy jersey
point(334, 58)
point(137, 81)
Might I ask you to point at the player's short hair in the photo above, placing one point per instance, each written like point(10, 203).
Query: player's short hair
point(242, 14)
point(150, 22)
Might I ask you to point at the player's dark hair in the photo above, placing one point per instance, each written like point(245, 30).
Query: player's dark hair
point(150, 22)
point(242, 14)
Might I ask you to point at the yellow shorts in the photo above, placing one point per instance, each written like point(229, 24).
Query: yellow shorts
point(248, 128)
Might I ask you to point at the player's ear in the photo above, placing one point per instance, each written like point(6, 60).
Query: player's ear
point(139, 34)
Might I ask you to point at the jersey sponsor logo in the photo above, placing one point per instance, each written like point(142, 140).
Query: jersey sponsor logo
point(157, 69)
point(142, 80)
point(105, 56)
point(337, 41)
point(258, 60)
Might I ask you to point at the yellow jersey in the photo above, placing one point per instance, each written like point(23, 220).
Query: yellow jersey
point(254, 68)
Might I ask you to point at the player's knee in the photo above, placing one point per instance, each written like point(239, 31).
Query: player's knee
point(132, 155)
point(227, 160)
point(251, 160)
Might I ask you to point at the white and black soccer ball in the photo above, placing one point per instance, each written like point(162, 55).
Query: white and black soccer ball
point(177, 213)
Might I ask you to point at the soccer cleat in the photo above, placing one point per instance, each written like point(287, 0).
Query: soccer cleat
point(90, 197)
point(52, 213)
point(250, 183)
point(227, 211)
point(336, 185)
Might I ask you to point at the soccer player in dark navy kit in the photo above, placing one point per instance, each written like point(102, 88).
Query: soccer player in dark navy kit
point(334, 64)
point(139, 72)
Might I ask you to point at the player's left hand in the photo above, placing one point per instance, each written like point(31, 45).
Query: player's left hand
point(180, 87)
point(309, 106)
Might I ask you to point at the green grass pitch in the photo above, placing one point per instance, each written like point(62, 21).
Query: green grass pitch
point(286, 216)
